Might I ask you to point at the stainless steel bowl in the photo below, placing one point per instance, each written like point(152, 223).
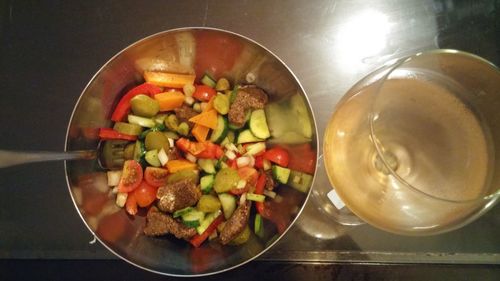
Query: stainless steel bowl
point(176, 51)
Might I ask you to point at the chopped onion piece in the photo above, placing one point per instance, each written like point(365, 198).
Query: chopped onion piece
point(242, 161)
point(230, 155)
point(241, 184)
point(252, 161)
point(114, 177)
point(256, 148)
point(231, 146)
point(269, 193)
point(115, 190)
point(191, 157)
point(121, 198)
point(243, 198)
point(266, 164)
point(189, 100)
point(171, 142)
point(163, 157)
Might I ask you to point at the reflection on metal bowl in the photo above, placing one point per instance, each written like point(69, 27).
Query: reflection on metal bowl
point(186, 50)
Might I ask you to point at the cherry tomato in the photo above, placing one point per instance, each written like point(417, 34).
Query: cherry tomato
point(131, 204)
point(204, 93)
point(155, 176)
point(131, 176)
point(145, 194)
point(248, 174)
point(277, 155)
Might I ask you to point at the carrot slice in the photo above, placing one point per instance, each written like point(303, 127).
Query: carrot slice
point(169, 100)
point(171, 80)
point(200, 132)
point(207, 119)
point(174, 166)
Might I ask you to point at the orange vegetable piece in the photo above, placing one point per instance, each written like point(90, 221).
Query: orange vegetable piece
point(200, 132)
point(171, 80)
point(207, 119)
point(210, 104)
point(169, 100)
point(174, 166)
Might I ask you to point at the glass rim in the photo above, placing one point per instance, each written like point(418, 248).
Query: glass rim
point(394, 64)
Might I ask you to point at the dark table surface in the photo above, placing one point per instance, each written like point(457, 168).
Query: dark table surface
point(49, 50)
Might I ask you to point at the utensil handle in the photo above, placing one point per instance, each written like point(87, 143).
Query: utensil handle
point(12, 158)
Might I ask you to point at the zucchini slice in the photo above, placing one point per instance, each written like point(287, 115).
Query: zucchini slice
point(258, 124)
point(247, 136)
point(220, 131)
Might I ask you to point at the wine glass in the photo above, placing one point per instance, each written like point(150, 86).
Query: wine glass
point(411, 148)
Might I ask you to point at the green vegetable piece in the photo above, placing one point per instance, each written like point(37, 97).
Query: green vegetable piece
point(258, 124)
point(127, 128)
point(141, 121)
point(208, 204)
point(281, 174)
point(156, 140)
point(258, 226)
point(144, 106)
point(228, 203)
point(222, 84)
point(225, 180)
point(139, 150)
point(242, 237)
point(184, 174)
point(181, 212)
point(256, 197)
point(209, 218)
point(171, 135)
point(247, 136)
point(207, 165)
point(300, 181)
point(220, 131)
point(128, 152)
point(183, 129)
point(221, 104)
point(206, 183)
point(171, 122)
point(152, 158)
point(207, 80)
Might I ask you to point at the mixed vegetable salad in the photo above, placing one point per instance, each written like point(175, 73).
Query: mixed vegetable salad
point(198, 156)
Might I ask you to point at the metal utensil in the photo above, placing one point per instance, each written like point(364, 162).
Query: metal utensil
point(13, 158)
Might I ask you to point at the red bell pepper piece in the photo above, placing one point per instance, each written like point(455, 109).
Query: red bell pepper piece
point(232, 164)
point(110, 134)
point(123, 107)
point(197, 240)
point(207, 150)
point(259, 189)
point(259, 162)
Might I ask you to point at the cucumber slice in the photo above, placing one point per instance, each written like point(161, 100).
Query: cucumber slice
point(193, 218)
point(139, 150)
point(220, 131)
point(182, 212)
point(205, 223)
point(209, 81)
point(299, 109)
point(232, 96)
point(141, 121)
point(300, 181)
point(258, 124)
point(152, 158)
point(228, 203)
point(206, 183)
point(247, 136)
point(281, 174)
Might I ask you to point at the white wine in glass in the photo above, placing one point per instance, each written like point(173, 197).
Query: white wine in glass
point(411, 148)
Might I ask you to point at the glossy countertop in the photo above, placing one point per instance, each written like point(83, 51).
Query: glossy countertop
point(49, 50)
